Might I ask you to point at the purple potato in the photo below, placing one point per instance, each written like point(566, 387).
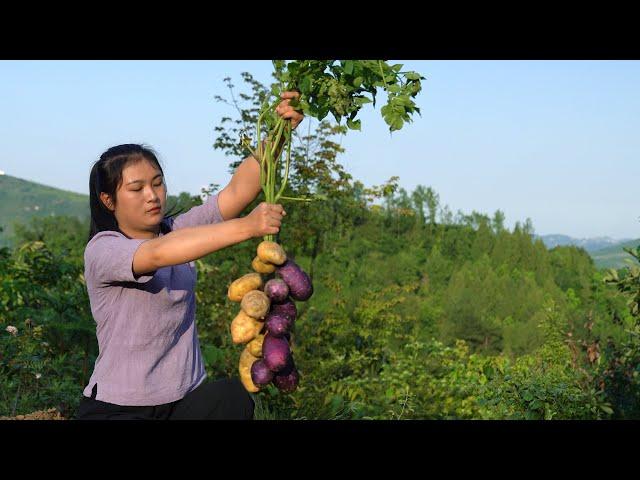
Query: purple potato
point(275, 352)
point(260, 373)
point(278, 324)
point(288, 307)
point(288, 378)
point(299, 283)
point(276, 290)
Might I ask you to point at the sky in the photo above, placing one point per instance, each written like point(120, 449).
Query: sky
point(553, 141)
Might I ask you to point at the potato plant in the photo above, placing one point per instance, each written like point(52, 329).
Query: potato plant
point(339, 87)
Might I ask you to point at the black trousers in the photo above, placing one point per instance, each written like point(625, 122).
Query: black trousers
point(223, 399)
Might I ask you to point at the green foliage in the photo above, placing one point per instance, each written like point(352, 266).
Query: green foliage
point(627, 281)
point(46, 362)
point(63, 235)
point(614, 256)
point(550, 383)
point(340, 88)
point(572, 267)
point(619, 375)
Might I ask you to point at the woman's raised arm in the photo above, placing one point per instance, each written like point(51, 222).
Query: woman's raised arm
point(191, 243)
point(243, 188)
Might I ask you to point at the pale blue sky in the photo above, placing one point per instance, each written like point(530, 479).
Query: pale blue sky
point(556, 141)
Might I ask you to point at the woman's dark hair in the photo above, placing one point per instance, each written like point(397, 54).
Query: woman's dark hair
point(106, 176)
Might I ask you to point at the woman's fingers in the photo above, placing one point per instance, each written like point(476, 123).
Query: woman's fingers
point(286, 111)
point(273, 223)
point(288, 95)
point(276, 215)
point(284, 107)
point(277, 208)
point(284, 104)
point(291, 114)
point(273, 217)
point(267, 218)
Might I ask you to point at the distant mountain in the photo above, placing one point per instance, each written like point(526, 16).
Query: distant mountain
point(615, 256)
point(20, 200)
point(606, 252)
point(589, 244)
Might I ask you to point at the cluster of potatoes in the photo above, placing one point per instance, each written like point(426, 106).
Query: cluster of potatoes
point(249, 326)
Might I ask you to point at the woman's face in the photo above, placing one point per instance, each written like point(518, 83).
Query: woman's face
point(142, 189)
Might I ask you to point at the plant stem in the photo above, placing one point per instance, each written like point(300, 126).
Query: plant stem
point(15, 402)
point(382, 73)
point(279, 129)
point(286, 171)
point(297, 199)
point(269, 159)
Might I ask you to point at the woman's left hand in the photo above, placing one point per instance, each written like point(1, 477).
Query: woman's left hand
point(287, 111)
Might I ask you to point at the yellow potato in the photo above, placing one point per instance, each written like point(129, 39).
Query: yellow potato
point(244, 328)
point(255, 304)
point(246, 360)
point(246, 283)
point(271, 252)
point(255, 346)
point(261, 267)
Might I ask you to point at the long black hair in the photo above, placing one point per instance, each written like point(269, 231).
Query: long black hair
point(106, 176)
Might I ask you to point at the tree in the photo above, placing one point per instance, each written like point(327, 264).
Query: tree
point(497, 222)
point(433, 200)
point(63, 235)
point(418, 196)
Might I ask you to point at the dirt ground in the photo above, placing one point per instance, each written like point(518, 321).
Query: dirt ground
point(51, 414)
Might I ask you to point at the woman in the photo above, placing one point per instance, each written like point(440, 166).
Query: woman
point(140, 275)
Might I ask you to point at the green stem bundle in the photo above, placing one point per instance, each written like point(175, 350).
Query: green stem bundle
point(268, 153)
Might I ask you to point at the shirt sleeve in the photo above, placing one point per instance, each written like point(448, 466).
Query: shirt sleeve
point(208, 212)
point(108, 258)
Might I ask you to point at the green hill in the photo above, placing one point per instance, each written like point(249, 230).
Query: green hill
point(21, 200)
point(615, 256)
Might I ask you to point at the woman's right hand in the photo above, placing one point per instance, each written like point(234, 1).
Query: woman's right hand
point(265, 219)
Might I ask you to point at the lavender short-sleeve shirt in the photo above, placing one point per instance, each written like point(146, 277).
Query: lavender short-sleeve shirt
point(149, 352)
